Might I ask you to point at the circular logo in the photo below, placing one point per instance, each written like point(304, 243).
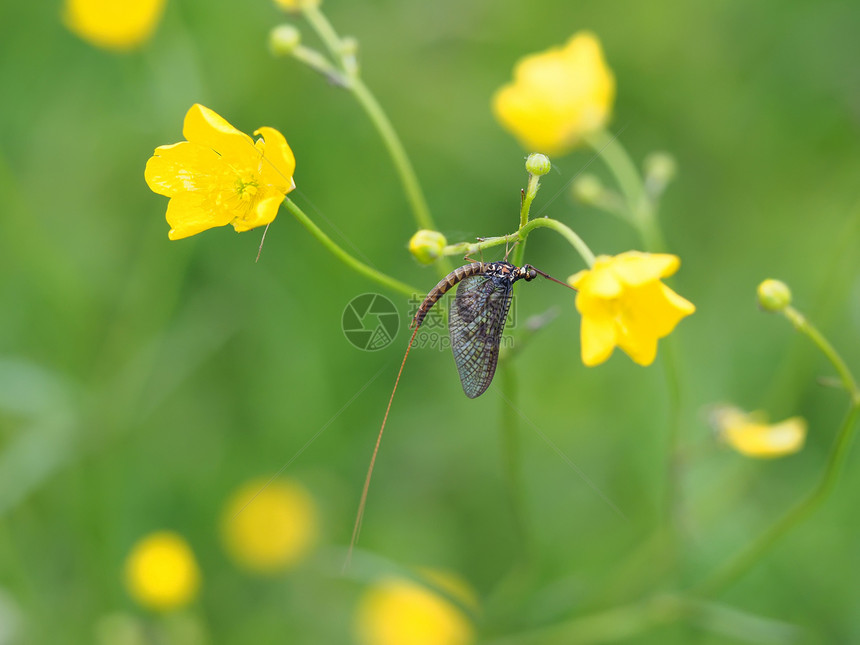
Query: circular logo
point(370, 321)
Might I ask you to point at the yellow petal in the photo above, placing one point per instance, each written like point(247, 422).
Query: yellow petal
point(205, 127)
point(186, 167)
point(603, 283)
point(635, 268)
point(655, 309)
point(767, 441)
point(401, 612)
point(111, 24)
point(192, 213)
point(639, 345)
point(593, 83)
point(577, 278)
point(263, 211)
point(598, 337)
point(557, 96)
point(278, 162)
point(590, 305)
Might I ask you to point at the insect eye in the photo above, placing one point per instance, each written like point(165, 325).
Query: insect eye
point(532, 274)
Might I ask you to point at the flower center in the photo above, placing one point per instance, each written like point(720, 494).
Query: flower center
point(246, 189)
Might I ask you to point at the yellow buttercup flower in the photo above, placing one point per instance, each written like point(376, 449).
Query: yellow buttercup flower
point(557, 96)
point(112, 24)
point(396, 611)
point(751, 435)
point(269, 527)
point(624, 304)
point(161, 572)
point(220, 176)
point(297, 5)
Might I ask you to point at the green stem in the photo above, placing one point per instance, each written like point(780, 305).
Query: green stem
point(510, 444)
point(803, 325)
point(324, 29)
point(380, 120)
point(402, 165)
point(566, 232)
point(411, 187)
point(528, 197)
point(642, 211)
point(744, 560)
point(320, 64)
point(343, 256)
point(467, 248)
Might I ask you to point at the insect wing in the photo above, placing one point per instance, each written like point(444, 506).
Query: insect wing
point(476, 320)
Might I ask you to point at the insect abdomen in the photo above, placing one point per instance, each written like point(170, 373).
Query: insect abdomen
point(444, 285)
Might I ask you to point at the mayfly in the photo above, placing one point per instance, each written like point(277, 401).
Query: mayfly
point(476, 320)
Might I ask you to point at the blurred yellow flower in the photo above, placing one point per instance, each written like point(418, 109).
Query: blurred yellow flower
point(297, 5)
point(396, 611)
point(557, 96)
point(269, 527)
point(161, 572)
point(624, 304)
point(752, 436)
point(220, 176)
point(113, 24)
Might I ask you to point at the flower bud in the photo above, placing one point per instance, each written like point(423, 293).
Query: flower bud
point(283, 39)
point(774, 295)
point(426, 246)
point(661, 167)
point(538, 164)
point(587, 189)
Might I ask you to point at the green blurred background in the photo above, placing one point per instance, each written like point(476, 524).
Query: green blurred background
point(142, 380)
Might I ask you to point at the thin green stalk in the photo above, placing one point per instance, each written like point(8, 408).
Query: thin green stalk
point(320, 64)
point(411, 187)
point(642, 212)
point(803, 325)
point(343, 256)
point(528, 197)
point(349, 78)
point(751, 554)
point(510, 444)
point(377, 115)
point(566, 232)
point(324, 29)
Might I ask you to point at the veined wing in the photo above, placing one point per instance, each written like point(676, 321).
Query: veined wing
point(476, 320)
